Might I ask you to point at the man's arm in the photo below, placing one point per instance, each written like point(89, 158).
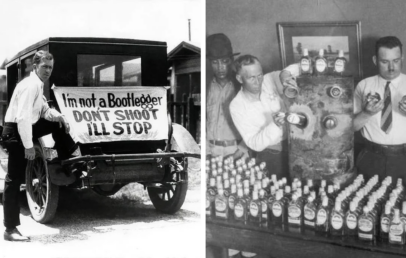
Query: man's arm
point(255, 138)
point(364, 109)
point(53, 115)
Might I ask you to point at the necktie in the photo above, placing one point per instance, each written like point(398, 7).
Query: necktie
point(386, 119)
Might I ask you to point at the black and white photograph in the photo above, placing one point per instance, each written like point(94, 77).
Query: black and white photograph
point(305, 139)
point(100, 139)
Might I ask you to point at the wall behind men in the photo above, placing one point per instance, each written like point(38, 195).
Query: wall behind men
point(251, 24)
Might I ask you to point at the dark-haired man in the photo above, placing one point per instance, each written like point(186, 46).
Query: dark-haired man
point(29, 117)
point(222, 137)
point(380, 113)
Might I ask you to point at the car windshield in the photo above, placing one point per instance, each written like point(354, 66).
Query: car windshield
point(108, 70)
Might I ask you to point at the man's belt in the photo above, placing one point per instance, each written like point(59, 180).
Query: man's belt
point(226, 143)
point(398, 149)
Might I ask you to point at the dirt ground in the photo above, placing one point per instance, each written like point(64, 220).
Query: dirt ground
point(89, 225)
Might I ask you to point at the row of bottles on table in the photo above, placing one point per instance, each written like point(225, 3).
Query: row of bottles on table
point(367, 211)
point(320, 66)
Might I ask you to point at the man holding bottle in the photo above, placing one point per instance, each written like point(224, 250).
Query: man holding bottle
point(380, 113)
point(257, 112)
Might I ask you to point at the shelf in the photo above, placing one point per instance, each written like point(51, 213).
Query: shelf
point(301, 243)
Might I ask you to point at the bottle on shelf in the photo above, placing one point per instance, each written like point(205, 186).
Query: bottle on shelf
point(320, 63)
point(385, 220)
point(323, 217)
point(278, 211)
point(231, 201)
point(264, 207)
point(366, 225)
point(306, 64)
point(210, 198)
point(396, 230)
point(221, 205)
point(255, 210)
point(310, 214)
point(295, 215)
point(351, 220)
point(340, 64)
point(337, 217)
point(241, 208)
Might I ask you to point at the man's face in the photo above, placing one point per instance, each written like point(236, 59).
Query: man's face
point(389, 62)
point(251, 77)
point(44, 69)
point(221, 67)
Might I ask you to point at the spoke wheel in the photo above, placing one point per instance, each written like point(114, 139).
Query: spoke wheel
point(42, 195)
point(170, 198)
point(107, 190)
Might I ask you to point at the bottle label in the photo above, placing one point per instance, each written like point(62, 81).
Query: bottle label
point(365, 225)
point(309, 214)
point(264, 206)
point(238, 210)
point(365, 236)
point(254, 209)
point(309, 223)
point(231, 202)
point(339, 66)
point(321, 65)
point(294, 215)
point(337, 221)
point(385, 225)
point(305, 65)
point(220, 205)
point(277, 209)
point(396, 230)
point(321, 217)
point(294, 212)
point(351, 221)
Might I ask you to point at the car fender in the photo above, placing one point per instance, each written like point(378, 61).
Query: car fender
point(182, 141)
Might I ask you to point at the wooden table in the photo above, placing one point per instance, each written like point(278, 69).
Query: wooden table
point(283, 243)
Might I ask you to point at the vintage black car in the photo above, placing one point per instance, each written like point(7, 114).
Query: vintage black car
point(160, 165)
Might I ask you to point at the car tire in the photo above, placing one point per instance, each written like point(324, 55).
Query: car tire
point(170, 198)
point(42, 194)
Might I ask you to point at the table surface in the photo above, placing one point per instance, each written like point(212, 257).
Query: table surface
point(293, 242)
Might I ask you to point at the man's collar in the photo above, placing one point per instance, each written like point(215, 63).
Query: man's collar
point(394, 82)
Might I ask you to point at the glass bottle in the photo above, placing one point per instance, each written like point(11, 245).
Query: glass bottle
point(255, 210)
point(403, 214)
point(221, 205)
point(384, 223)
point(306, 66)
point(227, 188)
point(310, 214)
point(366, 225)
point(231, 201)
point(240, 208)
point(295, 215)
point(337, 220)
point(340, 64)
point(322, 217)
point(351, 219)
point(264, 207)
point(321, 65)
point(396, 230)
point(270, 199)
point(210, 197)
point(278, 211)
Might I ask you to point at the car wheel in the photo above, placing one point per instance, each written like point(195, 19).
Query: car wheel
point(170, 197)
point(42, 195)
point(107, 190)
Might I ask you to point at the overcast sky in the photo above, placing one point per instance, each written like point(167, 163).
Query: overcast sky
point(26, 22)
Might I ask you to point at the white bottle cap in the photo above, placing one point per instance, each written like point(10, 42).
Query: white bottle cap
point(305, 52)
point(341, 53)
point(321, 52)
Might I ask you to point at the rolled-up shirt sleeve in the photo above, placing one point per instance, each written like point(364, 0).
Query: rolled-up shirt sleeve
point(24, 115)
point(255, 138)
point(48, 113)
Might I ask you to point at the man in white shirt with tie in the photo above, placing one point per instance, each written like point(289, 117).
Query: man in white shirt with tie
point(29, 117)
point(380, 113)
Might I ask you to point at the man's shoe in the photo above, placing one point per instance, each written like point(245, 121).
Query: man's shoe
point(15, 235)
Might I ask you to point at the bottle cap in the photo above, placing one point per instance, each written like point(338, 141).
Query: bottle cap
point(220, 191)
point(212, 182)
point(321, 52)
point(353, 206)
point(233, 188)
point(323, 183)
point(262, 193)
point(226, 183)
point(255, 195)
point(325, 201)
point(287, 189)
point(365, 209)
point(341, 53)
point(305, 52)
